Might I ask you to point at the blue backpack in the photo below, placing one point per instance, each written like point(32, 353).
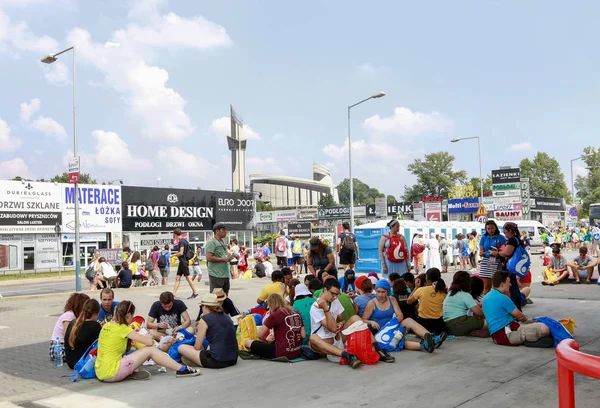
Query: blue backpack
point(85, 366)
point(519, 262)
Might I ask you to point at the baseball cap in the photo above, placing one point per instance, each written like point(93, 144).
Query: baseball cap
point(314, 243)
point(349, 275)
point(218, 226)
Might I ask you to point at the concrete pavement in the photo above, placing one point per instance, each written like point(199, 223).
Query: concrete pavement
point(465, 372)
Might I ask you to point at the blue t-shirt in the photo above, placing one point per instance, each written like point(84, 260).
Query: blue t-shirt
point(104, 316)
point(221, 337)
point(125, 278)
point(346, 286)
point(266, 251)
point(497, 308)
point(487, 242)
point(361, 301)
point(167, 256)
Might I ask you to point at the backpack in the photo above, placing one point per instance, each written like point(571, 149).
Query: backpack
point(397, 252)
point(162, 260)
point(280, 246)
point(519, 262)
point(247, 330)
point(297, 248)
point(90, 271)
point(149, 266)
point(85, 367)
point(348, 242)
point(188, 252)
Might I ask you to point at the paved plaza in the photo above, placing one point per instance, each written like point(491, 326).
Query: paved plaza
point(465, 372)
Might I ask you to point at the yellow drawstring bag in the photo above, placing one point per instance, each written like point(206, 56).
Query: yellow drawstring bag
point(569, 324)
point(246, 331)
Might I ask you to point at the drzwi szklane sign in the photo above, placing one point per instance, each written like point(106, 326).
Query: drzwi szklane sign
point(29, 206)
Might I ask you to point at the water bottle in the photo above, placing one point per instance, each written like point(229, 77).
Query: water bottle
point(396, 339)
point(58, 354)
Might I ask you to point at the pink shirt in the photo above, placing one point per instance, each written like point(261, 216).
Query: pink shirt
point(59, 326)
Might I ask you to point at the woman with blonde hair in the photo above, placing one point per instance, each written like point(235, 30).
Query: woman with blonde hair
point(281, 333)
point(82, 332)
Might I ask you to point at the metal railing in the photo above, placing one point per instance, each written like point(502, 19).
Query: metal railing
point(570, 361)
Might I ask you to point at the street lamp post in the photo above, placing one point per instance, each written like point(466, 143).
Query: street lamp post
point(379, 94)
point(480, 168)
point(49, 59)
point(572, 180)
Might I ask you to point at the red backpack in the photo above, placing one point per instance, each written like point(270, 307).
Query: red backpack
point(397, 252)
point(280, 246)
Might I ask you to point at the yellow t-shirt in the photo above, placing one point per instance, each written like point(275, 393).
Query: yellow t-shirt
point(275, 287)
point(112, 344)
point(430, 302)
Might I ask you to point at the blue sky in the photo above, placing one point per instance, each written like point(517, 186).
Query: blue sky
point(155, 80)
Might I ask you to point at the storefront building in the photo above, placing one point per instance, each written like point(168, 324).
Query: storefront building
point(548, 211)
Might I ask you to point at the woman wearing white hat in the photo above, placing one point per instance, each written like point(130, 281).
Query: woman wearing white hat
point(218, 329)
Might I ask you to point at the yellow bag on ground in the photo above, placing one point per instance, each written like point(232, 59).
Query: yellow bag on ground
point(569, 324)
point(247, 275)
point(246, 331)
point(550, 275)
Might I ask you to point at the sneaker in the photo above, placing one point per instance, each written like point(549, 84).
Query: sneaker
point(188, 372)
point(427, 343)
point(194, 296)
point(353, 361)
point(440, 339)
point(529, 301)
point(545, 283)
point(385, 357)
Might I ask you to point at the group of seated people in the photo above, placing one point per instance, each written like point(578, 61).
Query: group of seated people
point(558, 268)
point(308, 319)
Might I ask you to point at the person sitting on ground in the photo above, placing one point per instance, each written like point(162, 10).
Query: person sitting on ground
point(477, 288)
point(259, 268)
point(107, 296)
point(582, 262)
point(287, 333)
point(225, 302)
point(380, 311)
point(93, 264)
point(268, 266)
point(82, 332)
point(401, 294)
point(125, 276)
point(322, 275)
point(71, 311)
point(350, 308)
point(314, 285)
point(431, 298)
point(303, 301)
point(218, 330)
point(307, 279)
point(456, 306)
point(167, 313)
point(276, 286)
point(347, 283)
point(287, 276)
point(409, 280)
point(373, 277)
point(327, 323)
point(292, 291)
point(420, 281)
point(557, 270)
point(364, 287)
point(507, 324)
point(112, 362)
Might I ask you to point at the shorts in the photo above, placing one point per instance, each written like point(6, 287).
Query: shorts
point(464, 325)
point(209, 362)
point(164, 272)
point(297, 260)
point(518, 334)
point(183, 269)
point(196, 270)
point(281, 261)
point(222, 283)
point(527, 278)
point(347, 257)
point(126, 368)
point(264, 350)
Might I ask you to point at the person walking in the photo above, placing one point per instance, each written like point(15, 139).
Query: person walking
point(183, 249)
point(218, 258)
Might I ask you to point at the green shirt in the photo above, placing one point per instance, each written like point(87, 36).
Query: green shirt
point(457, 305)
point(219, 250)
point(346, 302)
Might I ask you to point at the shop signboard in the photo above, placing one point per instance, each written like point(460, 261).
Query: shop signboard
point(419, 211)
point(301, 229)
point(506, 176)
point(507, 193)
point(433, 211)
point(99, 208)
point(463, 205)
point(46, 252)
point(28, 206)
point(463, 192)
point(308, 214)
point(405, 208)
point(234, 209)
point(329, 213)
point(113, 256)
point(85, 237)
point(508, 215)
point(265, 216)
point(547, 204)
point(286, 216)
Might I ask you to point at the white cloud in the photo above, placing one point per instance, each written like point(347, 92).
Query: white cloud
point(406, 122)
point(29, 109)
point(113, 153)
point(13, 168)
point(579, 170)
point(262, 165)
point(185, 163)
point(222, 127)
point(158, 108)
point(49, 127)
point(57, 73)
point(16, 36)
point(7, 143)
point(520, 147)
point(363, 150)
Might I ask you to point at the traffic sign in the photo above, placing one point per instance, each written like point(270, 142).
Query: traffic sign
point(481, 210)
point(73, 172)
point(573, 211)
point(482, 218)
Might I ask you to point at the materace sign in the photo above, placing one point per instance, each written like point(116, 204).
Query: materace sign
point(29, 206)
point(164, 209)
point(99, 208)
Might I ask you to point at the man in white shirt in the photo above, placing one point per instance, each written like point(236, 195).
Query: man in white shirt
point(268, 266)
point(327, 323)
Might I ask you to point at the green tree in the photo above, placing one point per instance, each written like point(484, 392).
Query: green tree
point(264, 206)
point(487, 184)
point(19, 178)
point(545, 177)
point(588, 187)
point(391, 199)
point(435, 176)
point(84, 178)
point(327, 201)
point(363, 194)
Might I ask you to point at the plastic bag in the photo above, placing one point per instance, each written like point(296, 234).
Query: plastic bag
point(359, 343)
point(385, 335)
point(519, 262)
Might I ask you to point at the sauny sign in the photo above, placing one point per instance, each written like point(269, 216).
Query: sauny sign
point(508, 215)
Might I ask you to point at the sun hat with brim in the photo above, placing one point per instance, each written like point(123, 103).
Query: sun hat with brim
point(301, 290)
point(221, 295)
point(210, 299)
point(383, 284)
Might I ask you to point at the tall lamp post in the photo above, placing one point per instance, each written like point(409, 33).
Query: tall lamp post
point(455, 140)
point(379, 94)
point(49, 59)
